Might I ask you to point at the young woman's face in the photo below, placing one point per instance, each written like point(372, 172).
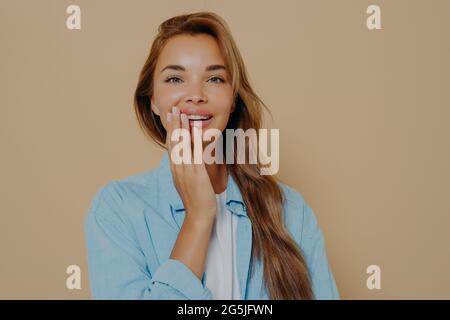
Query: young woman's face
point(190, 74)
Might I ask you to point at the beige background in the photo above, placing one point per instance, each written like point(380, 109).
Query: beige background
point(363, 118)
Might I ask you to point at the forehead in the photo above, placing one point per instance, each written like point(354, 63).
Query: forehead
point(191, 51)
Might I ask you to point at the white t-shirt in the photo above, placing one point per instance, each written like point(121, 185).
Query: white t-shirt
point(220, 266)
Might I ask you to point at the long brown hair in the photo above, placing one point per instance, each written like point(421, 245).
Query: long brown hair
point(285, 271)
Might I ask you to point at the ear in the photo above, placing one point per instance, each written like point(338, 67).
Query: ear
point(154, 108)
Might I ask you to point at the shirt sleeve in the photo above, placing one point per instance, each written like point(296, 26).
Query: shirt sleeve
point(118, 268)
point(313, 244)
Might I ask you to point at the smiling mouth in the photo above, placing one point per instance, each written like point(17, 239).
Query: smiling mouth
point(197, 120)
point(195, 117)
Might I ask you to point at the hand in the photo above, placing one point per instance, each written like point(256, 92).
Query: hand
point(191, 180)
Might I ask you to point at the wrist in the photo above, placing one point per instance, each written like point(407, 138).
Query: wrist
point(206, 221)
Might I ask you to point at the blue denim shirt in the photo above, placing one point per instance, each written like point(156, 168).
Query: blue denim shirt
point(132, 225)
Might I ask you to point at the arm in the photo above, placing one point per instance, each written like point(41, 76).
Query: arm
point(191, 246)
point(118, 268)
point(313, 244)
point(196, 191)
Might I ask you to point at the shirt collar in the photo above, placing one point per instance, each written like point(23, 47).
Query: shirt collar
point(234, 200)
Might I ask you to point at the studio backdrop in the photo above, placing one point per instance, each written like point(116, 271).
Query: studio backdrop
point(359, 91)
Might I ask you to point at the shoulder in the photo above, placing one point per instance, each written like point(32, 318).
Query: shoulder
point(120, 196)
point(291, 196)
point(298, 216)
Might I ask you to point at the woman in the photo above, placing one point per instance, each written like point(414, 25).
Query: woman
point(209, 230)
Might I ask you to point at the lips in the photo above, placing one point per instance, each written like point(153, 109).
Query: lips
point(197, 117)
point(199, 122)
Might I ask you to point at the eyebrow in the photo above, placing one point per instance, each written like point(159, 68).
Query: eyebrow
point(177, 67)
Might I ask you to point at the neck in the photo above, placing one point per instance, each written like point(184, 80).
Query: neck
point(218, 175)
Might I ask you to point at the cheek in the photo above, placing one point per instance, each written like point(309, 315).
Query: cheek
point(165, 98)
point(222, 99)
point(223, 104)
point(166, 95)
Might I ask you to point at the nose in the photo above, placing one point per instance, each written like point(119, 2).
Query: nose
point(195, 95)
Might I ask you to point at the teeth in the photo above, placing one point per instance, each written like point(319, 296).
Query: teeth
point(197, 117)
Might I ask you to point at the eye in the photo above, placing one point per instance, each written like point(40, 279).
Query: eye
point(173, 79)
point(217, 79)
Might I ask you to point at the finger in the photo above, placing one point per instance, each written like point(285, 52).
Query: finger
point(185, 127)
point(196, 134)
point(175, 123)
point(175, 118)
point(169, 118)
point(169, 144)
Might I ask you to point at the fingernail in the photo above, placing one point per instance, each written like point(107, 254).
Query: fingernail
point(169, 117)
point(183, 117)
point(174, 110)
